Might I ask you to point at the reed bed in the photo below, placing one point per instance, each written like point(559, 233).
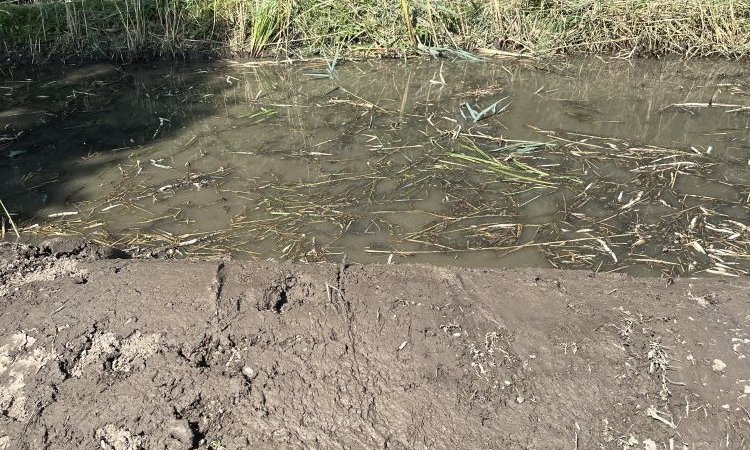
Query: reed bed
point(135, 29)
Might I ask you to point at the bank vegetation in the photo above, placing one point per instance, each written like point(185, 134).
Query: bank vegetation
point(41, 30)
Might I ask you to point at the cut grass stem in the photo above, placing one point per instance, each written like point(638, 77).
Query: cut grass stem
point(10, 220)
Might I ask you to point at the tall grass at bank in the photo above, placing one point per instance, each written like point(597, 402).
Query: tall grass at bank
point(127, 29)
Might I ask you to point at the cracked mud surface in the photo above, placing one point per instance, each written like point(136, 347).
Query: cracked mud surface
point(131, 354)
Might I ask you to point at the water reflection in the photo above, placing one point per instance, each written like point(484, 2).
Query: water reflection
point(266, 161)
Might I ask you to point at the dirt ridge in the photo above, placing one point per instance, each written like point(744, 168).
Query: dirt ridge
point(131, 354)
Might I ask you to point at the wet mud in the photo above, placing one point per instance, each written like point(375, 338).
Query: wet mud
point(130, 354)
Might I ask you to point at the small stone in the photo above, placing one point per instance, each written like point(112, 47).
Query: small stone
point(718, 366)
point(746, 390)
point(649, 444)
point(520, 399)
point(249, 373)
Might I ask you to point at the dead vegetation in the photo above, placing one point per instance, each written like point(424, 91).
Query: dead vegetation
point(451, 183)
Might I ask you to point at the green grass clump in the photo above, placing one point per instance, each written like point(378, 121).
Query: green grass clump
point(127, 29)
point(515, 171)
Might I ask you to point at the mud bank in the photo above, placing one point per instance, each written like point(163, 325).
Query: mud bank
point(129, 354)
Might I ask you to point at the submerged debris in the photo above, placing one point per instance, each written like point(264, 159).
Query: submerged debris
point(416, 172)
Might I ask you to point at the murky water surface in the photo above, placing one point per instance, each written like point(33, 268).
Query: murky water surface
point(579, 164)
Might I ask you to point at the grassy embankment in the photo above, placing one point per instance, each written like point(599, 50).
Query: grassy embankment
point(130, 29)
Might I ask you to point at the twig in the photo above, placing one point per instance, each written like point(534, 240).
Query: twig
point(703, 105)
point(10, 219)
point(653, 413)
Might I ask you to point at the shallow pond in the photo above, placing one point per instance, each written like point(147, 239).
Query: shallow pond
point(634, 166)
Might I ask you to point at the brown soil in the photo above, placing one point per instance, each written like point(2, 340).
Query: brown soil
point(129, 354)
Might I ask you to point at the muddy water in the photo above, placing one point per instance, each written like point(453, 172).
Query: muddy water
point(300, 162)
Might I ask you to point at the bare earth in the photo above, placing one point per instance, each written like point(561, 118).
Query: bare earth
point(130, 354)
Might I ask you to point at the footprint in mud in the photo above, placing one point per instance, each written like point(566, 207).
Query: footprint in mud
point(276, 297)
